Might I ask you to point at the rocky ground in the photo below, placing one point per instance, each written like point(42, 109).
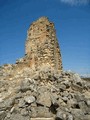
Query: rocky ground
point(29, 94)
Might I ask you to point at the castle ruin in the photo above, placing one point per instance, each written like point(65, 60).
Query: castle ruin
point(42, 47)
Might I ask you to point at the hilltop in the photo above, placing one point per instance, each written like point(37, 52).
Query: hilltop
point(36, 86)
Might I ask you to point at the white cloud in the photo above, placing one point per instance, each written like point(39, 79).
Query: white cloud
point(76, 2)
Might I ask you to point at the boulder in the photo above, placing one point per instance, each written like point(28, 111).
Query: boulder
point(29, 99)
point(44, 99)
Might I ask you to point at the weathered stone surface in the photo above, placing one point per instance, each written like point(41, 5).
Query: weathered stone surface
point(2, 115)
point(21, 103)
point(24, 112)
point(32, 89)
point(42, 46)
point(43, 112)
point(18, 117)
point(42, 118)
point(29, 99)
point(88, 102)
point(70, 117)
point(59, 115)
point(44, 99)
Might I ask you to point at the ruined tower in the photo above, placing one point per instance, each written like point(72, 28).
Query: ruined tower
point(42, 47)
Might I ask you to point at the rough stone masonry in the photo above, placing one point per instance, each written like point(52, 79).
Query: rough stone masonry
point(42, 94)
point(42, 48)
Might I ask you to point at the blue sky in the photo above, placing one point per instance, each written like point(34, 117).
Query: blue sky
point(72, 23)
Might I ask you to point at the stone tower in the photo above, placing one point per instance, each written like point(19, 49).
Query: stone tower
point(42, 47)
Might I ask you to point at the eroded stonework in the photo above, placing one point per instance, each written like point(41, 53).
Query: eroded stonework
point(42, 94)
point(42, 48)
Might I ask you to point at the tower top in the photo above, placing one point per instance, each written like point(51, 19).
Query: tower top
point(43, 19)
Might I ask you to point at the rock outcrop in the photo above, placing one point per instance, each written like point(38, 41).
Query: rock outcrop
point(36, 86)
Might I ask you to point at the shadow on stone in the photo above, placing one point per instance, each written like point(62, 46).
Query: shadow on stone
point(53, 108)
point(57, 118)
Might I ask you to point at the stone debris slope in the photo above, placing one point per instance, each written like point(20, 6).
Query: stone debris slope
point(63, 96)
point(36, 85)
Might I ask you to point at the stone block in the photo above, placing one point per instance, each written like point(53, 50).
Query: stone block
point(42, 118)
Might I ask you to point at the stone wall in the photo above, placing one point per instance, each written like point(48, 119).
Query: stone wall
point(42, 94)
point(42, 47)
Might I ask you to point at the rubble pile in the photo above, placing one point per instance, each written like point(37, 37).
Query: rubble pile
point(36, 85)
point(63, 96)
